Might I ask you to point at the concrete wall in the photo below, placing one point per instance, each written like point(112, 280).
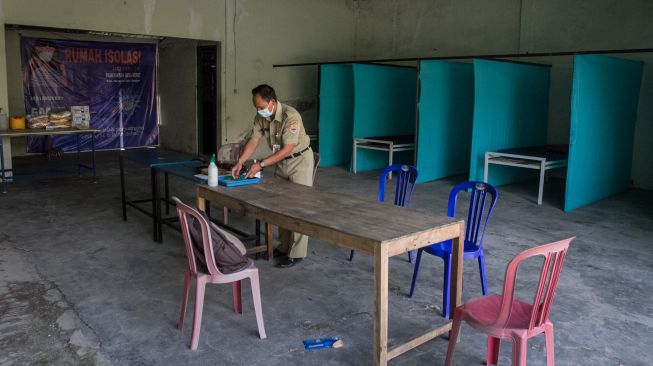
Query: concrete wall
point(400, 28)
point(254, 34)
point(420, 28)
point(262, 33)
point(177, 94)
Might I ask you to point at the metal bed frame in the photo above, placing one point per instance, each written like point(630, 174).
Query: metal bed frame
point(391, 144)
point(540, 163)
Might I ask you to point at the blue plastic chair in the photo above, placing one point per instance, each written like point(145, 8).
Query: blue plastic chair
point(405, 177)
point(474, 234)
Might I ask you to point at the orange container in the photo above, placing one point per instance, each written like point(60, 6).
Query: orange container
point(17, 122)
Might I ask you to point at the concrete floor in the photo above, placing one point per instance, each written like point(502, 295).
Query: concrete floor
point(80, 286)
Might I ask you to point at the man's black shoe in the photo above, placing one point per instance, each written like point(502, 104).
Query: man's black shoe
point(287, 262)
point(277, 253)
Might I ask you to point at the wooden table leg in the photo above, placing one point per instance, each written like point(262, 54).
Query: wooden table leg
point(201, 203)
point(457, 250)
point(381, 305)
point(268, 240)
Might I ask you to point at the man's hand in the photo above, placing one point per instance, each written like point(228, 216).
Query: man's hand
point(235, 170)
point(255, 168)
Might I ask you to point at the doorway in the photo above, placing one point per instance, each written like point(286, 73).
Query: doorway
point(207, 92)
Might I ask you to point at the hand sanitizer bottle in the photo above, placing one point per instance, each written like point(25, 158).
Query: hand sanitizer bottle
point(213, 172)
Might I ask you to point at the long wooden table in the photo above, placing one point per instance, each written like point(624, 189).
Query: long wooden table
point(378, 229)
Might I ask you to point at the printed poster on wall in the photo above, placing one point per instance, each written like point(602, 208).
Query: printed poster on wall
point(116, 80)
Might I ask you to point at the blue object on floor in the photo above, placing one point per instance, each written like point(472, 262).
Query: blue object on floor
point(228, 181)
point(405, 177)
point(311, 344)
point(474, 234)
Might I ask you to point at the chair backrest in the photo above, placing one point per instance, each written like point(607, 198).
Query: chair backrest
point(477, 217)
point(405, 177)
point(185, 212)
point(316, 163)
point(228, 154)
point(554, 256)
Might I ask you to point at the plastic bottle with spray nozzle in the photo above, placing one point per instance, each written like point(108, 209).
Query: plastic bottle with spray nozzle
point(213, 172)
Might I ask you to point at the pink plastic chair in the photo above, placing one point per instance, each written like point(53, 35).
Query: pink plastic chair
point(503, 317)
point(214, 276)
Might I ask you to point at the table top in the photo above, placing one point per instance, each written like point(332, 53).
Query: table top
point(44, 132)
point(185, 170)
point(348, 221)
point(157, 157)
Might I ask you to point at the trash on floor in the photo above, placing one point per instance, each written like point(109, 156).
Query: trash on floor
point(333, 342)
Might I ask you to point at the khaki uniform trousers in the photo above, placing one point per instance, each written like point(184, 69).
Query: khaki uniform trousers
point(297, 170)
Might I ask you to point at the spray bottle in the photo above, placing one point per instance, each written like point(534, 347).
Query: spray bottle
point(213, 172)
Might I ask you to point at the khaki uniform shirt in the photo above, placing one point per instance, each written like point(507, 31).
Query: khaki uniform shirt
point(286, 128)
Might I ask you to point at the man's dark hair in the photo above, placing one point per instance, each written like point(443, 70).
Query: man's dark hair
point(265, 91)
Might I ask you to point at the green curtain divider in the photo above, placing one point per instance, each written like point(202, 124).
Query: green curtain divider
point(511, 103)
point(336, 118)
point(604, 102)
point(384, 105)
point(446, 112)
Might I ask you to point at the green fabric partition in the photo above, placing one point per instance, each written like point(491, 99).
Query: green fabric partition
point(384, 105)
point(511, 103)
point(336, 117)
point(446, 112)
point(604, 103)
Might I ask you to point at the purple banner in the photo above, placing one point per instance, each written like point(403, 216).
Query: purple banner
point(116, 80)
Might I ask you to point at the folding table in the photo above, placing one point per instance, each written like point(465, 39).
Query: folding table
point(8, 134)
point(189, 172)
point(152, 158)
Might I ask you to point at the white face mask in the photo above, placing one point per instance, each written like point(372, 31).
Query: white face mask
point(265, 112)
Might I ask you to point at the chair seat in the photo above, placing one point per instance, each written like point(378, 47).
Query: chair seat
point(230, 277)
point(482, 312)
point(472, 250)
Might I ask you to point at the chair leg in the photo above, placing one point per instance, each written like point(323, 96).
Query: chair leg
point(184, 300)
point(493, 346)
point(238, 303)
point(410, 257)
point(258, 308)
point(197, 317)
point(351, 256)
point(519, 348)
point(415, 272)
point(481, 268)
point(550, 346)
point(446, 286)
point(453, 337)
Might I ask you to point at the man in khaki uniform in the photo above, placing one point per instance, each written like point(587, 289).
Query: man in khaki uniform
point(282, 127)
